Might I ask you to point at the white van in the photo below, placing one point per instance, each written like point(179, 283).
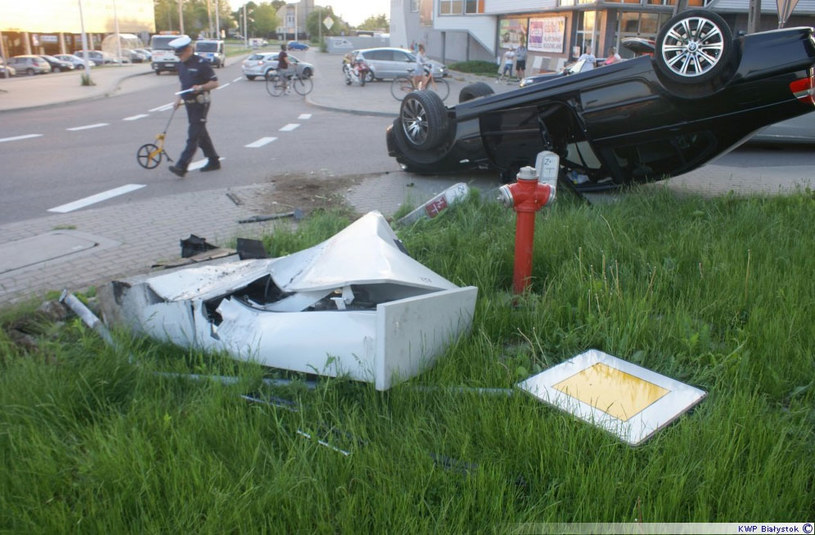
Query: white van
point(211, 50)
point(164, 58)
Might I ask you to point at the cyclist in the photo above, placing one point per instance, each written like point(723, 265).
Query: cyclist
point(419, 71)
point(283, 67)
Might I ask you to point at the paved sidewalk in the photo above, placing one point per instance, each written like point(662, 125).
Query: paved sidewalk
point(93, 246)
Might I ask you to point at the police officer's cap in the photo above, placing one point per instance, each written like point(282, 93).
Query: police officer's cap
point(180, 43)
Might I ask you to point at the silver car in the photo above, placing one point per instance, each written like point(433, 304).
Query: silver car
point(29, 65)
point(389, 62)
point(260, 63)
point(78, 62)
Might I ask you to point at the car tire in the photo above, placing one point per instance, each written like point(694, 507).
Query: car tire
point(471, 91)
point(29, 72)
point(423, 120)
point(694, 47)
point(250, 78)
point(306, 73)
point(369, 77)
point(412, 159)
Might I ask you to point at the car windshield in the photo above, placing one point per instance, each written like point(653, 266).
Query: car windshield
point(207, 47)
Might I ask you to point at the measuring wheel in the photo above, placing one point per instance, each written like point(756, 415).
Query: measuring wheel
point(149, 156)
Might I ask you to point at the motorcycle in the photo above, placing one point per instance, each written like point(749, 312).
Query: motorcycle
point(356, 71)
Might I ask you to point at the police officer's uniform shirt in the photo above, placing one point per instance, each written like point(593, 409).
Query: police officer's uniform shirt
point(195, 71)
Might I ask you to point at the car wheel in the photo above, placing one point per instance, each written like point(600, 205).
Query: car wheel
point(423, 119)
point(248, 77)
point(29, 71)
point(306, 73)
point(369, 76)
point(411, 158)
point(694, 46)
point(478, 89)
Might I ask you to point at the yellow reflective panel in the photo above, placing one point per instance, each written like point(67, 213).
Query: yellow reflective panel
point(612, 391)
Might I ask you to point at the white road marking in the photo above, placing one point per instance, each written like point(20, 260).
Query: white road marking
point(289, 127)
point(16, 138)
point(238, 79)
point(135, 117)
point(93, 199)
point(260, 142)
point(86, 127)
point(163, 108)
point(304, 116)
point(222, 86)
point(200, 163)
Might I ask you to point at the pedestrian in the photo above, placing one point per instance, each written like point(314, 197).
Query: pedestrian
point(283, 67)
point(520, 61)
point(198, 79)
point(590, 60)
point(509, 59)
point(613, 56)
point(419, 71)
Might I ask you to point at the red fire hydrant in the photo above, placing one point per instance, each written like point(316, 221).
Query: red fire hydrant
point(527, 196)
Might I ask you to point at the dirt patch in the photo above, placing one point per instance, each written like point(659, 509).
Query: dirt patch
point(307, 193)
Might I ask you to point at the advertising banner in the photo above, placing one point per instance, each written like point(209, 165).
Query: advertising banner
point(547, 34)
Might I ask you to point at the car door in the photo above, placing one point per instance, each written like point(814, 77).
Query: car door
point(402, 62)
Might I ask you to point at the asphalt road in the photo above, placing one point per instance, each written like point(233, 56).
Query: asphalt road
point(81, 149)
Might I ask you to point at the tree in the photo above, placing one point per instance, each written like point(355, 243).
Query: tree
point(378, 22)
point(315, 18)
point(266, 21)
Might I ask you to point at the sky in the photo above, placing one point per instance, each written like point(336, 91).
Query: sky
point(355, 12)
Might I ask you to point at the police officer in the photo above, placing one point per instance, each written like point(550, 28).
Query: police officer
point(195, 75)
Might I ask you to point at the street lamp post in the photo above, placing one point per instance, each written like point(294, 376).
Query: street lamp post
point(87, 80)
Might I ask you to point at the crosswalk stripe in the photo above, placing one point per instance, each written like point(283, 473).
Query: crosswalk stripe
point(260, 142)
point(93, 199)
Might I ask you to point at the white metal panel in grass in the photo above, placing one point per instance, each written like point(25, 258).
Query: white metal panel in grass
point(627, 400)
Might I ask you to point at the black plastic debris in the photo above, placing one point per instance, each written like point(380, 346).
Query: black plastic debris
point(251, 249)
point(194, 245)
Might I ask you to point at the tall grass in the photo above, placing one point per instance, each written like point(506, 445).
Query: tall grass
point(716, 293)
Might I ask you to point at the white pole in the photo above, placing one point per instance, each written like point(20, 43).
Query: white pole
point(84, 43)
point(217, 20)
point(118, 39)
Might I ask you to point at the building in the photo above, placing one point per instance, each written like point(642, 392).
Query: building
point(557, 31)
point(293, 20)
point(55, 26)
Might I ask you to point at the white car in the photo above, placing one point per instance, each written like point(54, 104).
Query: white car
point(78, 62)
point(260, 63)
point(392, 62)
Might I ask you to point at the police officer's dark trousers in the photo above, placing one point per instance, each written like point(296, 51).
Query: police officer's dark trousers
point(197, 135)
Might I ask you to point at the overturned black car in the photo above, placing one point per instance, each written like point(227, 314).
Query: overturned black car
point(648, 118)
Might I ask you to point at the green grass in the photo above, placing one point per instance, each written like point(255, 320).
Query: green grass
point(715, 293)
point(484, 68)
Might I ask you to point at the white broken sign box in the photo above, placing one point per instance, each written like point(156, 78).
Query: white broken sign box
point(355, 304)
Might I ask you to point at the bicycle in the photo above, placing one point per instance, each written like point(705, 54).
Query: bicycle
point(276, 85)
point(403, 84)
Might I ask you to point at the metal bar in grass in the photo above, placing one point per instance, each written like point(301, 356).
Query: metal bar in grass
point(323, 443)
point(481, 391)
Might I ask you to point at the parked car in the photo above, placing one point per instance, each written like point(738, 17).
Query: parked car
point(211, 50)
point(134, 56)
point(57, 65)
point(145, 52)
point(392, 62)
point(6, 70)
point(259, 63)
point(296, 45)
point(77, 62)
point(29, 65)
point(98, 57)
point(703, 93)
